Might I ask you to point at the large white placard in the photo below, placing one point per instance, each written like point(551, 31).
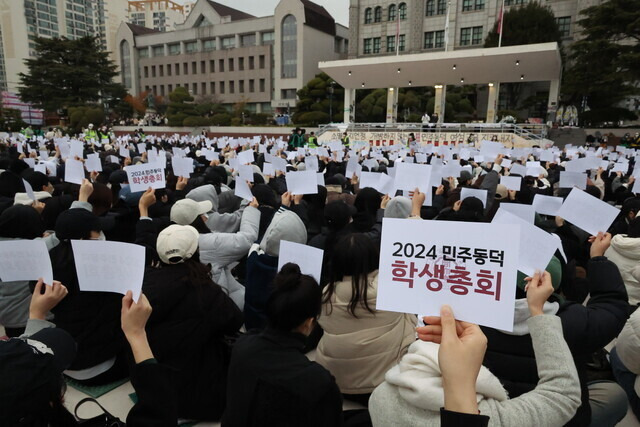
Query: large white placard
point(141, 177)
point(308, 258)
point(104, 266)
point(25, 260)
point(469, 266)
point(303, 182)
point(588, 212)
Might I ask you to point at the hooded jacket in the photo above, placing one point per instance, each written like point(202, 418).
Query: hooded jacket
point(217, 222)
point(262, 264)
point(412, 393)
point(586, 328)
point(221, 250)
point(359, 351)
point(625, 253)
point(186, 332)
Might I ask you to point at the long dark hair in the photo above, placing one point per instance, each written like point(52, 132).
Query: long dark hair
point(296, 297)
point(354, 255)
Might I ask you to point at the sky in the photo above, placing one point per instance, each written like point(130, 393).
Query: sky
point(339, 9)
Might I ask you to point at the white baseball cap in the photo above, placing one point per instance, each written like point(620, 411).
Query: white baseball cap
point(177, 243)
point(185, 211)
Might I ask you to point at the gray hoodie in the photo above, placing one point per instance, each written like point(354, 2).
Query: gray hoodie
point(217, 222)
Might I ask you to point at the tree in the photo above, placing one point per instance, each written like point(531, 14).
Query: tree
point(605, 64)
point(181, 106)
point(11, 120)
point(527, 24)
point(313, 103)
point(65, 73)
point(80, 117)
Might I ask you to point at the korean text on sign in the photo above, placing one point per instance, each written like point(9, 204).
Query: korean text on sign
point(141, 177)
point(471, 267)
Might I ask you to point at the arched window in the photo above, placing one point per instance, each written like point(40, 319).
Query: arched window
point(402, 10)
point(430, 7)
point(393, 12)
point(289, 47)
point(368, 15)
point(125, 64)
point(377, 14)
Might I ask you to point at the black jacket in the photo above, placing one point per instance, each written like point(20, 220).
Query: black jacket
point(92, 318)
point(586, 329)
point(272, 383)
point(186, 331)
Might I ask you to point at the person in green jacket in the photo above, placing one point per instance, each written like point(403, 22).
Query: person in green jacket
point(312, 141)
point(345, 140)
point(296, 140)
point(90, 133)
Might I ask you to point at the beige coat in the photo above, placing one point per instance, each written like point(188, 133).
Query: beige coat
point(359, 351)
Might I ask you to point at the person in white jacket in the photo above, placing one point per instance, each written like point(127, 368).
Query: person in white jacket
point(220, 250)
point(625, 361)
point(425, 381)
point(624, 252)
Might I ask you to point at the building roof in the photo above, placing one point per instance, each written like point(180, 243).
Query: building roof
point(522, 63)
point(138, 30)
point(235, 14)
point(317, 17)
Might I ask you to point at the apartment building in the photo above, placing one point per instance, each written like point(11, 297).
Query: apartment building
point(161, 15)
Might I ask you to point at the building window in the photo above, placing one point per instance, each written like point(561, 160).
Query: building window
point(288, 94)
point(241, 86)
point(222, 90)
point(232, 87)
point(204, 88)
point(143, 52)
point(161, 70)
point(368, 15)
point(564, 25)
point(212, 87)
point(174, 49)
point(430, 7)
point(252, 85)
point(169, 70)
point(191, 47)
point(194, 68)
point(209, 45)
point(247, 40)
point(442, 7)
point(367, 46)
point(228, 42)
point(376, 45)
point(262, 61)
point(158, 51)
point(391, 43)
point(146, 72)
point(401, 42)
point(512, 2)
point(125, 64)
point(268, 37)
point(231, 65)
point(212, 65)
point(434, 39)
point(177, 69)
point(402, 11)
point(252, 62)
point(221, 66)
point(241, 64)
point(170, 88)
point(470, 36)
point(185, 68)
point(476, 35)
point(262, 85)
point(469, 5)
point(203, 65)
point(377, 14)
point(195, 88)
point(289, 47)
point(392, 13)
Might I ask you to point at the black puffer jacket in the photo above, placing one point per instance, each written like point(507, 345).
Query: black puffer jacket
point(586, 329)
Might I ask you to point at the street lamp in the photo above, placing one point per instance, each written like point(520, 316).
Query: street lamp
point(331, 90)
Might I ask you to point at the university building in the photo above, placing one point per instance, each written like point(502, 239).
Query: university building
point(229, 56)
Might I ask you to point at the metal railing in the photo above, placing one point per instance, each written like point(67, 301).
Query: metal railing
point(524, 130)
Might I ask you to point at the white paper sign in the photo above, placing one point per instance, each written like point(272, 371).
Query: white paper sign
point(587, 212)
point(245, 157)
point(536, 245)
point(242, 189)
point(547, 205)
point(526, 212)
point(511, 182)
point(104, 266)
point(29, 190)
point(472, 192)
point(141, 177)
point(73, 171)
point(93, 163)
point(25, 260)
point(425, 264)
point(308, 258)
point(303, 182)
point(573, 179)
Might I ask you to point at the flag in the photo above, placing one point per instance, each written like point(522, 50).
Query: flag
point(500, 21)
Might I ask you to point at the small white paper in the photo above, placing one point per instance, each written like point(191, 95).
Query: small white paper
point(416, 275)
point(536, 245)
point(25, 260)
point(526, 212)
point(472, 192)
point(320, 177)
point(93, 163)
point(105, 266)
point(245, 157)
point(242, 189)
point(29, 190)
point(73, 171)
point(308, 258)
point(268, 170)
point(124, 152)
point(182, 166)
point(141, 177)
point(587, 212)
point(303, 182)
point(511, 182)
point(547, 205)
point(573, 179)
point(518, 169)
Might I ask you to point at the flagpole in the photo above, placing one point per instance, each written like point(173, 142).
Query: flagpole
point(501, 26)
point(446, 28)
point(398, 30)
